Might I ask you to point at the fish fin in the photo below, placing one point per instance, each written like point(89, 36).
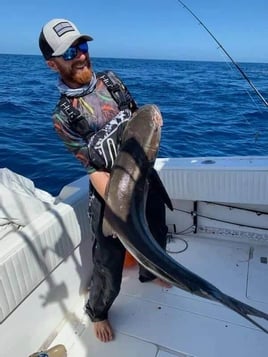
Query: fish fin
point(158, 184)
point(107, 229)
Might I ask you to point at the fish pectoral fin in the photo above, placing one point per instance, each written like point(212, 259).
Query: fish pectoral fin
point(107, 229)
point(155, 180)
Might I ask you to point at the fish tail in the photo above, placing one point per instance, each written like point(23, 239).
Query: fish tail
point(244, 310)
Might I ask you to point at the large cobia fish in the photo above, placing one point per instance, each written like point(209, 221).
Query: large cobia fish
point(125, 212)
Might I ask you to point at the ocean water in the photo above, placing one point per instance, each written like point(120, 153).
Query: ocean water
point(208, 108)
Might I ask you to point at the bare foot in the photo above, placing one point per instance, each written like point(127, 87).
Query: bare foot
point(162, 283)
point(103, 330)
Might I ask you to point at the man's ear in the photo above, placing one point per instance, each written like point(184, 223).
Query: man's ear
point(53, 65)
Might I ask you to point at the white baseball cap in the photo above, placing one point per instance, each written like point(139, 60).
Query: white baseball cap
point(57, 36)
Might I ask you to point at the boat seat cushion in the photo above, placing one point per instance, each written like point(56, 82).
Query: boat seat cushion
point(28, 255)
point(20, 201)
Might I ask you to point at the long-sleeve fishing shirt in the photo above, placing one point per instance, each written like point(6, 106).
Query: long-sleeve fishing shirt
point(98, 107)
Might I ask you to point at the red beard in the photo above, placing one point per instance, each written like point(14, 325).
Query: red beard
point(75, 77)
point(82, 77)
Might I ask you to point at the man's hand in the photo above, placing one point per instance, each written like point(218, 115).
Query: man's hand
point(104, 145)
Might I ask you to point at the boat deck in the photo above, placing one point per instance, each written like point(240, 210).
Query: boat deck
point(151, 321)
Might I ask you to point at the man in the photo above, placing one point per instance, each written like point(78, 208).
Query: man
point(91, 109)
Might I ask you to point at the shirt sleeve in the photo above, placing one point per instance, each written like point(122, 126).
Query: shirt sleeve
point(72, 141)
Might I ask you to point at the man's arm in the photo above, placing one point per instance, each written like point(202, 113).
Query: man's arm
point(100, 179)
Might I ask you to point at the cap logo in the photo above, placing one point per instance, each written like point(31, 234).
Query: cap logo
point(62, 28)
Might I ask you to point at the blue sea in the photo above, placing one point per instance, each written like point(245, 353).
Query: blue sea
point(208, 108)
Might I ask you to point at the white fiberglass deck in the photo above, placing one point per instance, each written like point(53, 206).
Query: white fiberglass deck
point(46, 266)
point(150, 321)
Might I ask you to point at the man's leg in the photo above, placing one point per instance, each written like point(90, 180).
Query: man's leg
point(108, 260)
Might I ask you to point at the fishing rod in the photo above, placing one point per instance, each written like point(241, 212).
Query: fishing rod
point(227, 54)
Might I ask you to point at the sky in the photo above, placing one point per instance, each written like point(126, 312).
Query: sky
point(147, 29)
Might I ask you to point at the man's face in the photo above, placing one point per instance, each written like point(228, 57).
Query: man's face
point(75, 72)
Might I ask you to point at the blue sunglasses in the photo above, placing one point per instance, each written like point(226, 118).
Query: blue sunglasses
point(72, 51)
